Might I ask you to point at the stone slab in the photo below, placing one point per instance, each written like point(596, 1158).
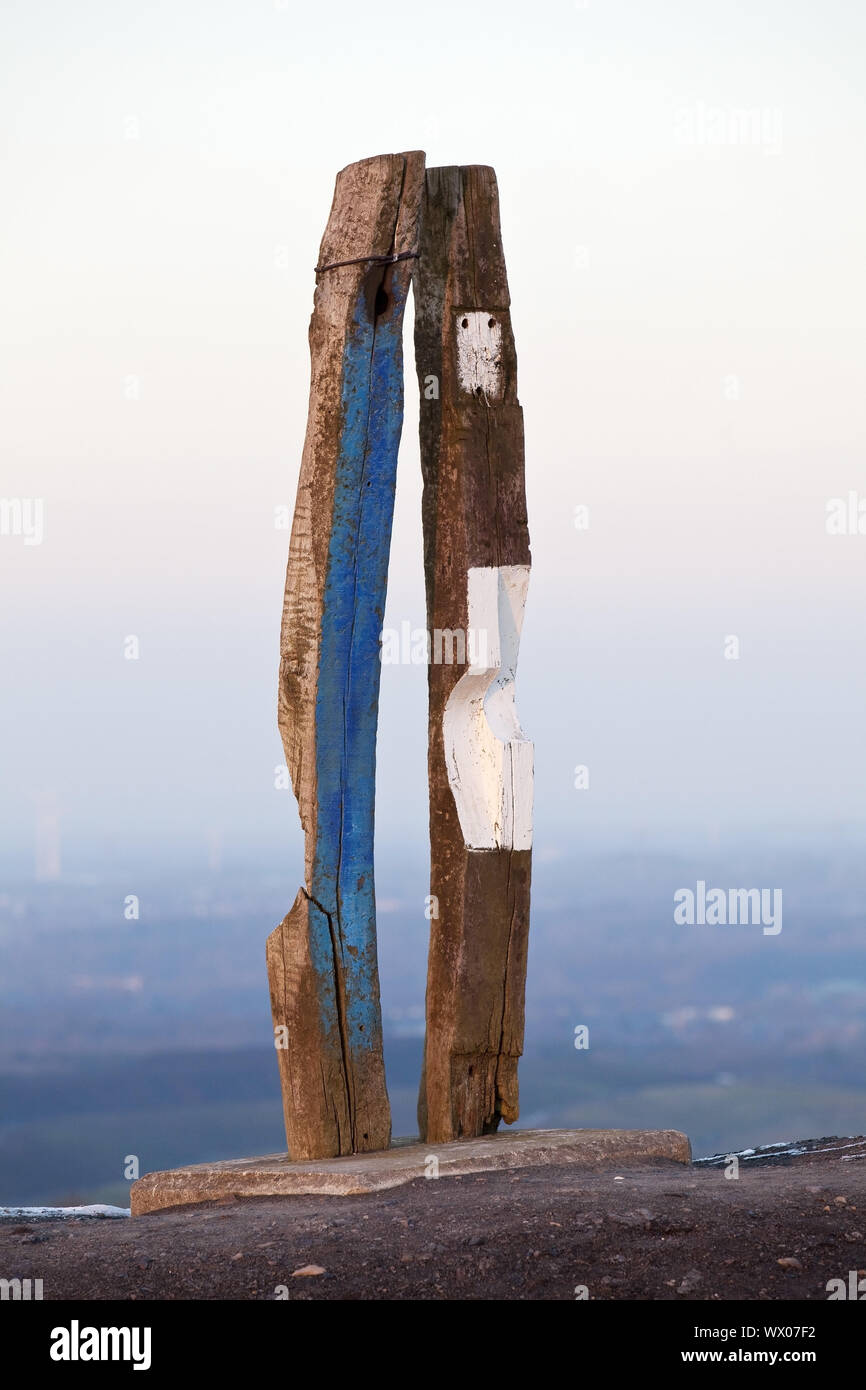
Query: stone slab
point(276, 1175)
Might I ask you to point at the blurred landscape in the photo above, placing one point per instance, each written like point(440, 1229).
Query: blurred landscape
point(152, 1037)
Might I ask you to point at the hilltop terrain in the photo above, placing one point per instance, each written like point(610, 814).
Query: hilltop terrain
point(789, 1223)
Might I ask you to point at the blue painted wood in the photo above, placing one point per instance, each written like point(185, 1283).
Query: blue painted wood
point(322, 964)
point(349, 665)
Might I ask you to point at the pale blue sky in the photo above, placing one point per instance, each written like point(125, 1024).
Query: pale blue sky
point(688, 301)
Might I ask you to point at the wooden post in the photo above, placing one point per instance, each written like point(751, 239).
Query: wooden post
point(322, 963)
point(476, 563)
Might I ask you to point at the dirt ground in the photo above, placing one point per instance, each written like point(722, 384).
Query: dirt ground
point(660, 1232)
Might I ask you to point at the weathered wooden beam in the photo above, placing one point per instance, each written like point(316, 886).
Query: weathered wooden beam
point(322, 962)
point(476, 562)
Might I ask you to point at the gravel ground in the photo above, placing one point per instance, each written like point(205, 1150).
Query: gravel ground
point(784, 1227)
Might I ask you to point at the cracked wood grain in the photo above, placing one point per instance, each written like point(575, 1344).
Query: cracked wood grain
point(479, 763)
point(322, 961)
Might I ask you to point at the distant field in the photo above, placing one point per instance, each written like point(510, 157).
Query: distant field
point(65, 1136)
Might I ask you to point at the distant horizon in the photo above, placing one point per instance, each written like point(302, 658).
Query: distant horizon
point(82, 857)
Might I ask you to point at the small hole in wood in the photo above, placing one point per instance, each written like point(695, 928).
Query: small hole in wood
point(491, 323)
point(376, 295)
point(479, 390)
point(465, 323)
point(471, 1070)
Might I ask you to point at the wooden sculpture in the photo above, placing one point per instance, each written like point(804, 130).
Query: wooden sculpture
point(476, 567)
point(389, 223)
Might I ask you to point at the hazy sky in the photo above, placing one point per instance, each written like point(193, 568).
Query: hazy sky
point(683, 217)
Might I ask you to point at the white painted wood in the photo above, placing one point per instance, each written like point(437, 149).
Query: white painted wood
point(488, 757)
point(479, 353)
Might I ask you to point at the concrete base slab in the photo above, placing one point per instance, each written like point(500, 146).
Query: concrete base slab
point(276, 1175)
